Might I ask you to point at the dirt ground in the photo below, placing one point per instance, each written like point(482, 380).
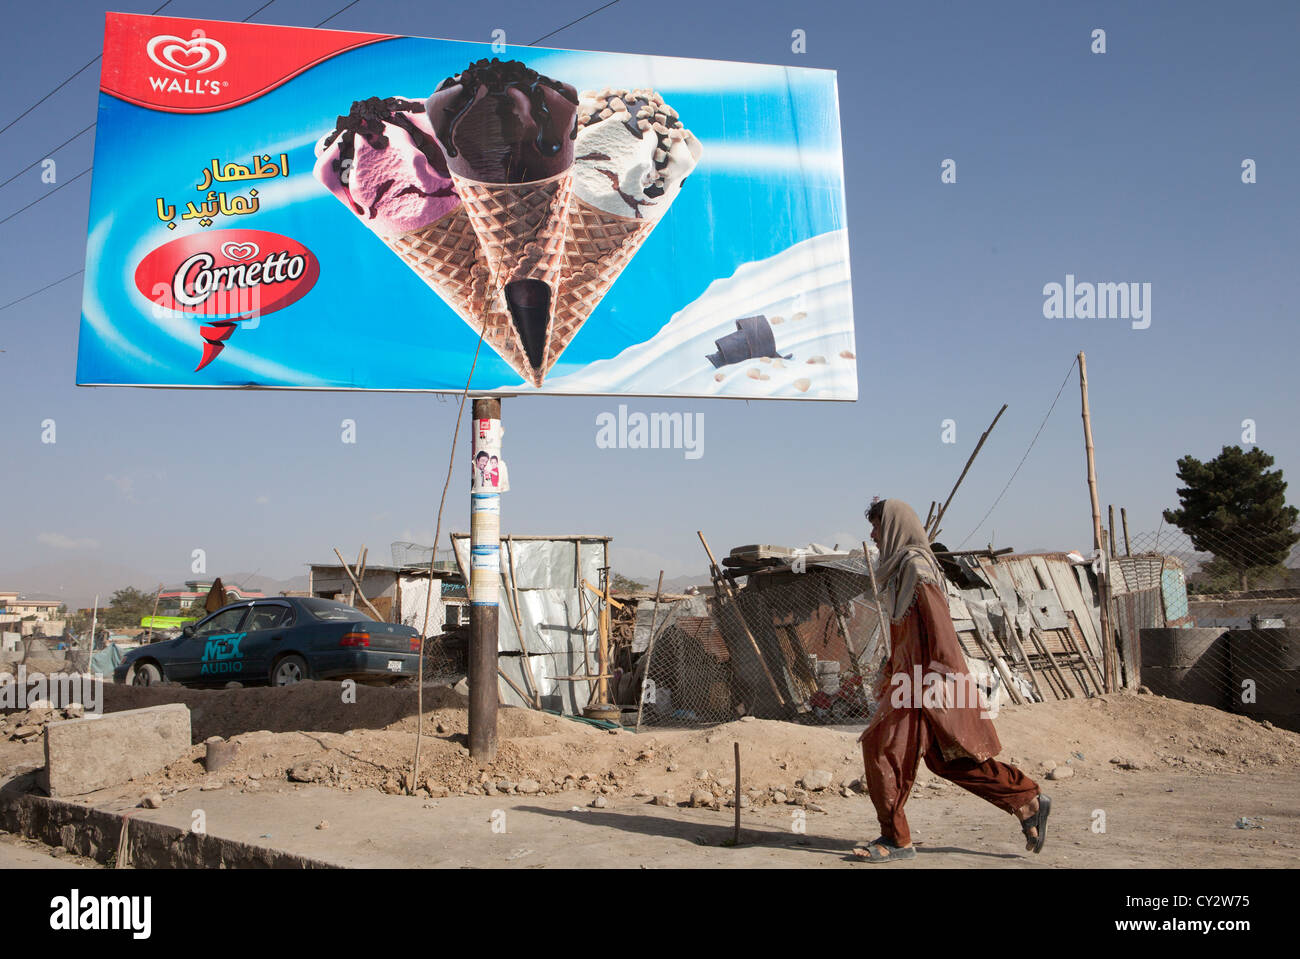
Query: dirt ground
point(1187, 785)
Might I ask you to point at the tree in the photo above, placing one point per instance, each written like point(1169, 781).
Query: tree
point(1235, 507)
point(624, 584)
point(127, 607)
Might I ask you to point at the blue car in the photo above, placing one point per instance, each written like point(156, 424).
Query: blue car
point(278, 642)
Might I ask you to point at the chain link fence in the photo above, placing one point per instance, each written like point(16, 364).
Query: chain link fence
point(1230, 602)
point(1215, 621)
point(802, 645)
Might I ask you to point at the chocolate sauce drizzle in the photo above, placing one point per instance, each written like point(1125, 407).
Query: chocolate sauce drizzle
point(493, 77)
point(367, 119)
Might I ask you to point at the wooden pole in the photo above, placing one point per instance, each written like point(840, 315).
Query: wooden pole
point(723, 588)
point(517, 618)
point(155, 611)
point(1041, 645)
point(1103, 597)
point(352, 577)
point(934, 527)
point(1110, 516)
point(1000, 667)
point(1123, 517)
point(875, 592)
point(484, 588)
point(650, 645)
point(735, 841)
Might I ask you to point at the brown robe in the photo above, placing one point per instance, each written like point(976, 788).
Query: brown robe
point(955, 740)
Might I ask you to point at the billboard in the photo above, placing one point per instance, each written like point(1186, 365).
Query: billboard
point(281, 207)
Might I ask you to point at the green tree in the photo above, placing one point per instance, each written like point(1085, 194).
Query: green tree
point(127, 607)
point(625, 584)
point(1234, 507)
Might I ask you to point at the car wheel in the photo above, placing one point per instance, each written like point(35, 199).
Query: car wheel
point(147, 674)
point(290, 670)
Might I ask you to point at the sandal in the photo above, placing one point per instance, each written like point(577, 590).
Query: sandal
point(1037, 821)
point(882, 850)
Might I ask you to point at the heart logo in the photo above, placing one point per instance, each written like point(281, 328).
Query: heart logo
point(200, 54)
point(239, 251)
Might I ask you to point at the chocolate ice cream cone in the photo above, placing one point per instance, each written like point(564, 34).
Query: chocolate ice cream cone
point(521, 230)
point(446, 255)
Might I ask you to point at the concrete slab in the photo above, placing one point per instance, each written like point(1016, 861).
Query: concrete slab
point(83, 755)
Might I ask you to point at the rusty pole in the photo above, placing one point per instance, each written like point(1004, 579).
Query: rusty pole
point(484, 586)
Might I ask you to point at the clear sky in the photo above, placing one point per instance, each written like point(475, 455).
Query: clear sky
point(1116, 167)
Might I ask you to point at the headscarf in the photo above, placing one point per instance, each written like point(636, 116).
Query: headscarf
point(906, 559)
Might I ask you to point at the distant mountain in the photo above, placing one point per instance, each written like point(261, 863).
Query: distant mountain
point(76, 582)
point(269, 586)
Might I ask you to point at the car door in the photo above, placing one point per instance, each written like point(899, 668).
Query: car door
point(264, 634)
point(211, 654)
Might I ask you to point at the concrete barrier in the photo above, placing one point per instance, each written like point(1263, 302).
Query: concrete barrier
point(82, 755)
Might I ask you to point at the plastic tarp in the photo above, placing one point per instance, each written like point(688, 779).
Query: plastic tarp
point(105, 660)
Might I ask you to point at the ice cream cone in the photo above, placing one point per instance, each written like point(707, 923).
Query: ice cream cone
point(521, 231)
point(446, 255)
point(597, 248)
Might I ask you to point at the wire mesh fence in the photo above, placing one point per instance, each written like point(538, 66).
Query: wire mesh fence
point(801, 645)
point(1231, 602)
point(1212, 620)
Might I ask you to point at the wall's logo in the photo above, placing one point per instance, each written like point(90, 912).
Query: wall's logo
point(198, 55)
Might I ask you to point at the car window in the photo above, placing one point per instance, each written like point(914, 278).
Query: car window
point(333, 612)
point(226, 621)
point(268, 617)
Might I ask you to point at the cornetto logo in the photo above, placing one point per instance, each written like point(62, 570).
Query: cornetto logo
point(198, 55)
point(226, 276)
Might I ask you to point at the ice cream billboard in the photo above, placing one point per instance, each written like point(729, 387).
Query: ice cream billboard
point(279, 207)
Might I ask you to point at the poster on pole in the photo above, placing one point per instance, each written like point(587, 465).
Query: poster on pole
point(279, 207)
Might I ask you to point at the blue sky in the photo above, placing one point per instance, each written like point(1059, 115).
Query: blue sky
point(1120, 167)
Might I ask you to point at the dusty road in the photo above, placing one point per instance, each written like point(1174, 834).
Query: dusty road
point(1158, 819)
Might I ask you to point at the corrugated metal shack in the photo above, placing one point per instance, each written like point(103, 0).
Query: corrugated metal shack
point(555, 636)
point(1029, 625)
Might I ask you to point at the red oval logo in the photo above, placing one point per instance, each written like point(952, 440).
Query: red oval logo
point(226, 276)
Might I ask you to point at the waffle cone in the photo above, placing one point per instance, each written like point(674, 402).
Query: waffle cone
point(446, 255)
point(521, 231)
point(597, 248)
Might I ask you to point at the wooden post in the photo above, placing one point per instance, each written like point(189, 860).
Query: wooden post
point(374, 612)
point(517, 618)
point(484, 588)
point(1103, 592)
point(650, 645)
point(885, 638)
point(1123, 516)
point(934, 527)
point(152, 625)
point(721, 586)
point(736, 839)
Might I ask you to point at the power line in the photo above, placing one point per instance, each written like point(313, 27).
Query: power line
point(336, 13)
point(45, 196)
point(1023, 458)
point(60, 86)
point(54, 150)
point(48, 153)
point(341, 10)
point(42, 289)
point(572, 22)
